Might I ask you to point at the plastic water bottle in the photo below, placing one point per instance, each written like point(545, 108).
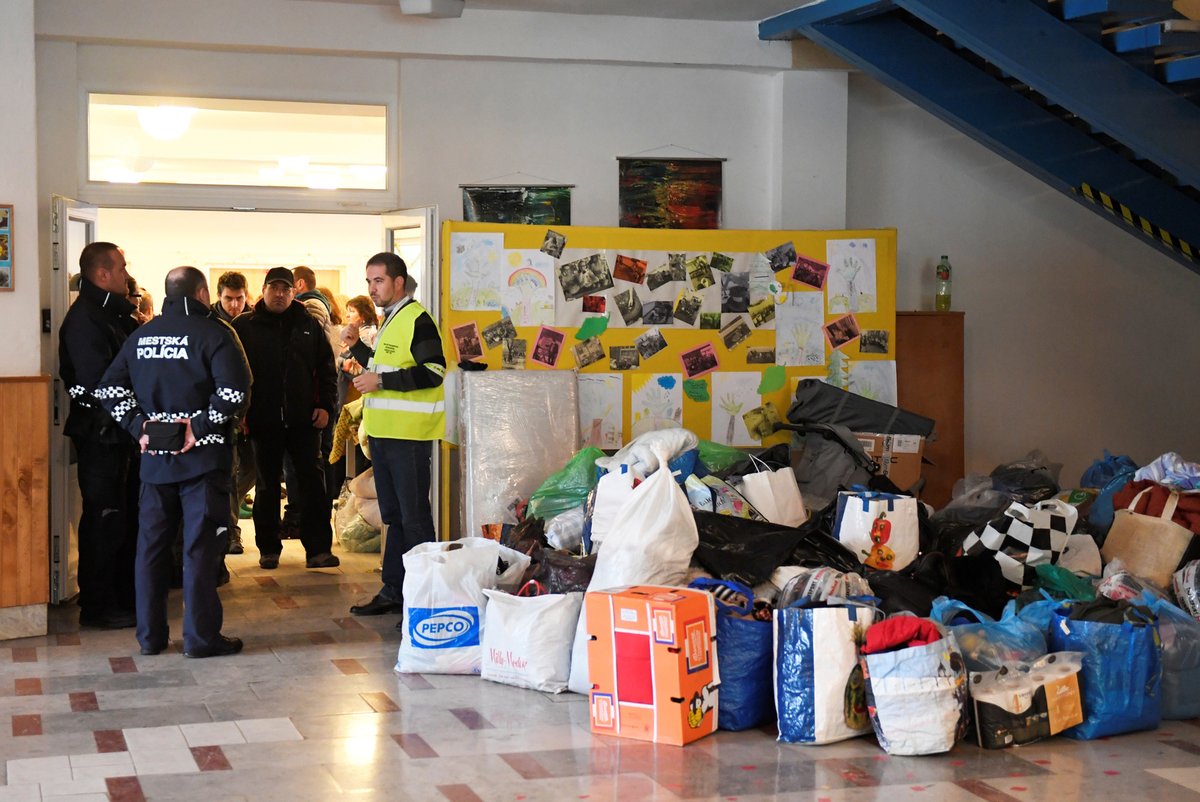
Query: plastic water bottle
point(941, 301)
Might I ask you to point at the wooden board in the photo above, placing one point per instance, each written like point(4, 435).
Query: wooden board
point(24, 491)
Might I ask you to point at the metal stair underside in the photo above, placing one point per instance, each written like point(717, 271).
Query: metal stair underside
point(1098, 98)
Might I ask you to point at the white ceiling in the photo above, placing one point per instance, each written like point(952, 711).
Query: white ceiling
point(665, 9)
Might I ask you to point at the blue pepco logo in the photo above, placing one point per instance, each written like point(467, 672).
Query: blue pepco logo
point(443, 627)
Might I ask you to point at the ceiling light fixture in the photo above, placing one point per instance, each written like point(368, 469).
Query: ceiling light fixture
point(166, 123)
point(437, 9)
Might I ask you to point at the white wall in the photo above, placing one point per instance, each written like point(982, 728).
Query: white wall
point(19, 308)
point(465, 121)
point(1079, 337)
point(156, 240)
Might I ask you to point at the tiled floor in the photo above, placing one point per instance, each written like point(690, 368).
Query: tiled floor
point(312, 710)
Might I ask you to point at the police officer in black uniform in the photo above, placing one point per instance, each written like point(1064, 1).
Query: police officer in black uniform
point(93, 331)
point(184, 366)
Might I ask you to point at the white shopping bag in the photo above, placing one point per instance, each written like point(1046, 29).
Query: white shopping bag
point(444, 604)
point(527, 639)
point(650, 543)
point(776, 495)
point(880, 528)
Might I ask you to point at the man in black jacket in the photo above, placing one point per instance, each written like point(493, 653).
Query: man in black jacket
point(93, 331)
point(183, 367)
point(230, 304)
point(295, 389)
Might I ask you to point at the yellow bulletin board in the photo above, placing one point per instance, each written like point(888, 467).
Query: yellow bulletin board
point(696, 415)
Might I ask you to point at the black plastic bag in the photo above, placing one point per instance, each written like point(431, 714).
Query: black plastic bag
point(748, 551)
point(773, 458)
point(1028, 480)
point(912, 589)
point(526, 537)
point(560, 571)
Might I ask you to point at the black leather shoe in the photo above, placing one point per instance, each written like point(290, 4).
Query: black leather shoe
point(235, 544)
point(111, 619)
point(325, 560)
point(379, 605)
point(268, 561)
point(153, 650)
point(221, 647)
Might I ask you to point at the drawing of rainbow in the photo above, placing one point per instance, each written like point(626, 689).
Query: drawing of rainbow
point(527, 276)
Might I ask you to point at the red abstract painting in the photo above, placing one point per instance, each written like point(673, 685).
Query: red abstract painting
point(670, 193)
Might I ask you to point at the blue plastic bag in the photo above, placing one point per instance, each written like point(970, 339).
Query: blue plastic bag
point(1100, 516)
point(1121, 680)
point(1102, 471)
point(820, 695)
point(1040, 614)
point(1180, 634)
point(987, 644)
point(744, 645)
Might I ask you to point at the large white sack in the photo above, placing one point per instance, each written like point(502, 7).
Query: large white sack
point(646, 452)
point(363, 485)
point(650, 543)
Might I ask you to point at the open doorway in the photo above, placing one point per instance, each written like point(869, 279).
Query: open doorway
point(335, 246)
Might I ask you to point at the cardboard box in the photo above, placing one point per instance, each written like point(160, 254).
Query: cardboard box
point(652, 661)
point(899, 455)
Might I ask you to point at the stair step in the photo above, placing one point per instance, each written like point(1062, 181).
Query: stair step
point(1164, 37)
point(1179, 69)
point(1117, 11)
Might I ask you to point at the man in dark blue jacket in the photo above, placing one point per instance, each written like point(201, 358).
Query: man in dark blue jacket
point(183, 366)
point(295, 390)
point(93, 331)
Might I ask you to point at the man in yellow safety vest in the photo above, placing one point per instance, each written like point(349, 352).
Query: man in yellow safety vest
point(404, 413)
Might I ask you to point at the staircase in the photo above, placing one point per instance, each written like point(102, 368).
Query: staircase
point(1098, 98)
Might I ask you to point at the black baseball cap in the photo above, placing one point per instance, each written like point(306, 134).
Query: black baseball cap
point(279, 274)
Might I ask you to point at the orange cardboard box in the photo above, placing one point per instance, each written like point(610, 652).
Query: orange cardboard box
point(899, 455)
point(652, 661)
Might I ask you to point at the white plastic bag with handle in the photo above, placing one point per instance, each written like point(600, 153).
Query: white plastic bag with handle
point(527, 640)
point(444, 605)
point(775, 494)
point(650, 543)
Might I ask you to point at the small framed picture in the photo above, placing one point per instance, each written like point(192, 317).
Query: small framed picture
point(6, 246)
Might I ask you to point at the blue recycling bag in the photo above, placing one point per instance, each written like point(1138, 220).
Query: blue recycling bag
point(1121, 680)
point(1180, 635)
point(987, 644)
point(744, 646)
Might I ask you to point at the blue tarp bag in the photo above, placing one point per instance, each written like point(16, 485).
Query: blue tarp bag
point(1100, 516)
point(820, 693)
point(1121, 680)
point(1180, 635)
point(987, 644)
point(744, 646)
point(1103, 471)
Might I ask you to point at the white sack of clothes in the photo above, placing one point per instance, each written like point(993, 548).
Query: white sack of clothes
point(368, 508)
point(444, 604)
point(527, 639)
point(651, 543)
point(776, 495)
point(880, 528)
point(918, 697)
point(363, 485)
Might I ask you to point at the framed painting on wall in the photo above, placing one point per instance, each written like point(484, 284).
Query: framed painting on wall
point(526, 204)
point(6, 246)
point(669, 193)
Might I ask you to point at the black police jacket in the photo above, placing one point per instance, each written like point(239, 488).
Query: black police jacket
point(185, 363)
point(292, 364)
point(93, 331)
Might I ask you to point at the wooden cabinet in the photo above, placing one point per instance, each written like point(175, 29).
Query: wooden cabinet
point(929, 378)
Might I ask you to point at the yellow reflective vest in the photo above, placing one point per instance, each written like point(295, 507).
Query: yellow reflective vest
point(414, 415)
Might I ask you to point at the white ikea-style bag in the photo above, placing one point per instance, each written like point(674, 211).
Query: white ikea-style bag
point(444, 603)
point(650, 543)
point(776, 495)
point(527, 639)
point(880, 528)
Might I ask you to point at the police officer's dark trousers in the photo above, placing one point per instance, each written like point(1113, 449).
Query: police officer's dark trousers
point(202, 504)
point(302, 444)
point(108, 484)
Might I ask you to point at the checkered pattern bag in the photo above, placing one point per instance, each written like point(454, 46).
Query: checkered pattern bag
point(1025, 537)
